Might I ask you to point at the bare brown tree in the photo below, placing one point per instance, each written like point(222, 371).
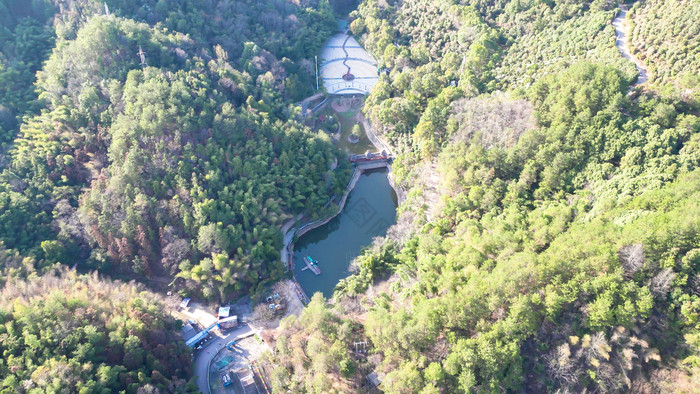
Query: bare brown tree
point(561, 367)
point(631, 257)
point(661, 283)
point(497, 120)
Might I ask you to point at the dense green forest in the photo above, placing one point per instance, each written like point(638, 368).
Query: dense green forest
point(183, 167)
point(664, 37)
point(550, 239)
point(313, 347)
point(64, 332)
point(176, 168)
point(26, 39)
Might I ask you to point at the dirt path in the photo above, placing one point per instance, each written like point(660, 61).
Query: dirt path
point(376, 141)
point(286, 288)
point(621, 38)
point(305, 102)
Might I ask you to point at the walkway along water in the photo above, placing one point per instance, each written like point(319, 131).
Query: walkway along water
point(370, 209)
point(296, 227)
point(299, 229)
point(621, 39)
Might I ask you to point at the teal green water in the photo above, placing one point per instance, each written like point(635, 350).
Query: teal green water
point(369, 211)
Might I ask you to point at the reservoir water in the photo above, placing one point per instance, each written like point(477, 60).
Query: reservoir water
point(369, 211)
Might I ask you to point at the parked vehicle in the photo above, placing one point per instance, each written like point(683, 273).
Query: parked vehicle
point(226, 380)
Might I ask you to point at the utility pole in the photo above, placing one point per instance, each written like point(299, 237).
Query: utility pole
point(316, 57)
point(362, 344)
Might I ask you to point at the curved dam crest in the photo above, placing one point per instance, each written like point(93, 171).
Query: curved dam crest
point(346, 68)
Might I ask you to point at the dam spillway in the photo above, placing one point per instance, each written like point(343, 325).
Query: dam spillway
point(346, 67)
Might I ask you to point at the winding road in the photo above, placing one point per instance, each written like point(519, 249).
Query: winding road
point(621, 38)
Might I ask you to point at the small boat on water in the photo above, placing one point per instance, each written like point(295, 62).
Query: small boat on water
point(312, 265)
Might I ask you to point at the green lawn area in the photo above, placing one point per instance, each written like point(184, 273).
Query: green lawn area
point(347, 121)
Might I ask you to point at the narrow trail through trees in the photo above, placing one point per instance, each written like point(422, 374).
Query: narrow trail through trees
point(621, 39)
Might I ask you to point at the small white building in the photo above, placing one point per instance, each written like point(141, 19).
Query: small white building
point(224, 312)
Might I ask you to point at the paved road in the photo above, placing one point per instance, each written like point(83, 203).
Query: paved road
point(621, 40)
point(305, 102)
point(201, 361)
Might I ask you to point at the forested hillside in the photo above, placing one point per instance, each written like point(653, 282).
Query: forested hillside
point(550, 239)
point(26, 39)
point(67, 333)
point(549, 242)
point(585, 35)
point(178, 167)
point(664, 37)
point(430, 47)
point(182, 167)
